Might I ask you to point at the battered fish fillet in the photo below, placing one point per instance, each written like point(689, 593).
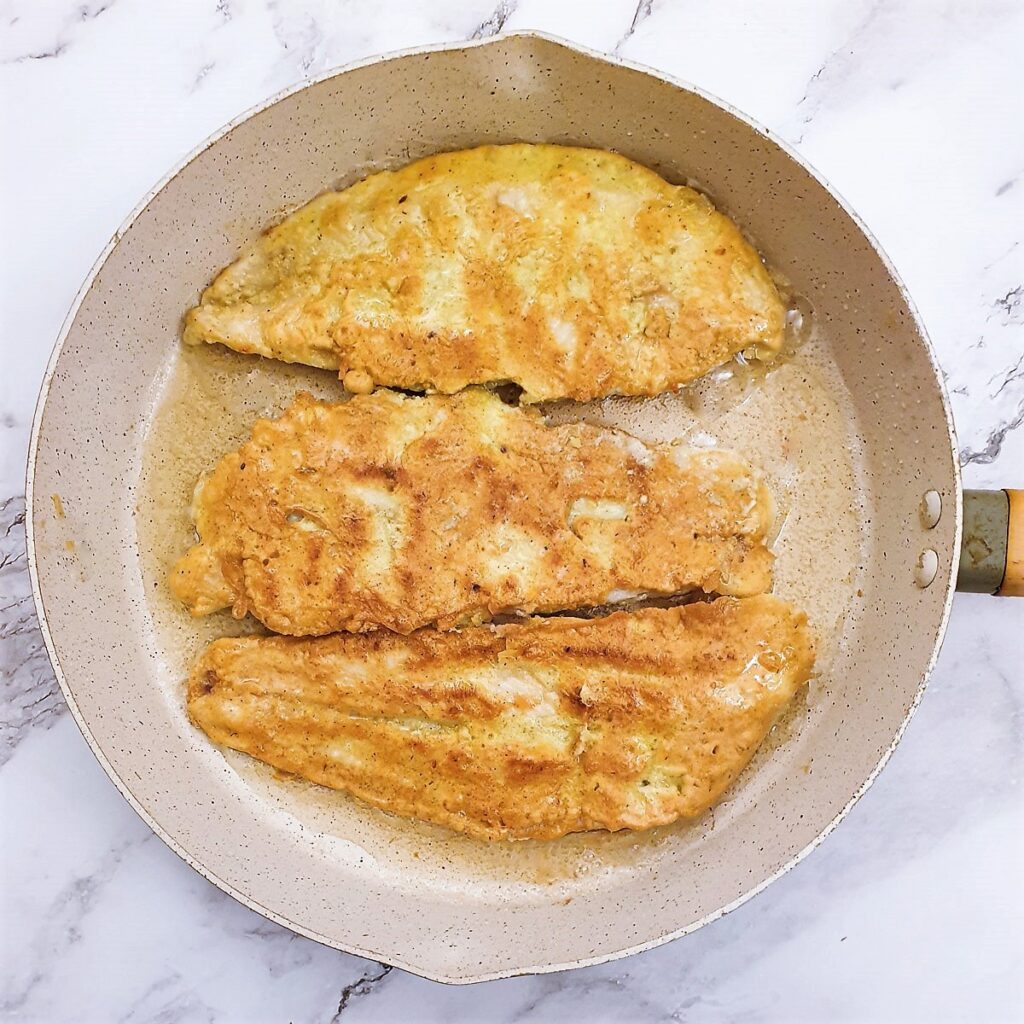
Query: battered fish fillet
point(522, 731)
point(573, 272)
point(399, 512)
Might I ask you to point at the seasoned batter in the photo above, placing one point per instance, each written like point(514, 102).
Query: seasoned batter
point(575, 273)
point(398, 512)
point(530, 730)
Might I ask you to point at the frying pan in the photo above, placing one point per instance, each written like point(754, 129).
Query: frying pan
point(438, 905)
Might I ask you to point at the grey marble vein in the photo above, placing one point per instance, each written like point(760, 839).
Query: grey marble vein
point(201, 75)
point(170, 1000)
point(89, 12)
point(643, 11)
point(299, 36)
point(31, 698)
point(496, 22)
point(837, 67)
point(282, 952)
point(50, 54)
point(1016, 373)
point(63, 921)
point(361, 987)
point(615, 995)
point(82, 13)
point(994, 442)
point(1003, 255)
point(1010, 305)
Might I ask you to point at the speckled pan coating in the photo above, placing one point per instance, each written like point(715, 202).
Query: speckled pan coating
point(98, 397)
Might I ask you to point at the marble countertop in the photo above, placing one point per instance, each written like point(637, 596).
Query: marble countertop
point(914, 909)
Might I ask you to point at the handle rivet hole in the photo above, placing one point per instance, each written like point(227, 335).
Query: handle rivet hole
point(926, 568)
point(931, 509)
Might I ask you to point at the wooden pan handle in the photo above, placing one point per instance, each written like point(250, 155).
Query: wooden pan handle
point(1013, 577)
point(992, 553)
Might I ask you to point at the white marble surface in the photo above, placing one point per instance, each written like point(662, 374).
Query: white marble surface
point(914, 909)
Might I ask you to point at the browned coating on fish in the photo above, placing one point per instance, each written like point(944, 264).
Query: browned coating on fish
point(396, 512)
point(576, 273)
point(530, 730)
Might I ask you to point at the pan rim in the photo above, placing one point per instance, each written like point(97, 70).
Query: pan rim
point(397, 960)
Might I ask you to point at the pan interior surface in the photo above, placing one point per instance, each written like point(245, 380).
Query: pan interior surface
point(849, 427)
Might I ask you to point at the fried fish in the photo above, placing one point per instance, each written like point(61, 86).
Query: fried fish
point(575, 273)
point(399, 512)
point(529, 730)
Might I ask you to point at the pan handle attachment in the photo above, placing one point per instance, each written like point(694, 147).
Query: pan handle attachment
point(992, 554)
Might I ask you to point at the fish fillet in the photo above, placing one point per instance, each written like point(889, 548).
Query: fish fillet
point(575, 273)
point(399, 512)
point(521, 731)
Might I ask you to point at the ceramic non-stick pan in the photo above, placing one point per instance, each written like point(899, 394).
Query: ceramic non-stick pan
point(852, 427)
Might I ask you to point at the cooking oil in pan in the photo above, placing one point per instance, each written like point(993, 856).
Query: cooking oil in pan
point(793, 420)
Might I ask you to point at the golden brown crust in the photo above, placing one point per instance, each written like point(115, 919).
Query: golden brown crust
point(530, 730)
point(402, 512)
point(573, 272)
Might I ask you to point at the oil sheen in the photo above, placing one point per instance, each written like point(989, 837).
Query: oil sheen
point(793, 420)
